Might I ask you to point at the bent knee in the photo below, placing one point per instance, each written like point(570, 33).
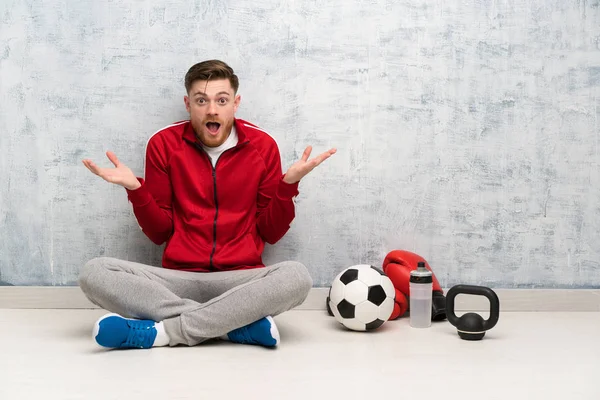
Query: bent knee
point(89, 271)
point(302, 280)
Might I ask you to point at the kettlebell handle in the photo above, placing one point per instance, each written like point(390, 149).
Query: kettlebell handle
point(478, 291)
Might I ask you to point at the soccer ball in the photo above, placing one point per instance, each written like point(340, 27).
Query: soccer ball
point(361, 298)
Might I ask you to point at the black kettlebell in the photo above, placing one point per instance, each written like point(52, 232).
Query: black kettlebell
point(472, 326)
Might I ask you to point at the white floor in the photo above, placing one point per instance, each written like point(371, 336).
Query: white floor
point(49, 354)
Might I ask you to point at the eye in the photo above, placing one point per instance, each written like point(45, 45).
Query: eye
point(222, 100)
point(201, 101)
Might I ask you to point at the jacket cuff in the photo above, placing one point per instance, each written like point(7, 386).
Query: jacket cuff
point(140, 196)
point(287, 191)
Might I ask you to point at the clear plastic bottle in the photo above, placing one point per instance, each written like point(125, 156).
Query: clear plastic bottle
point(421, 294)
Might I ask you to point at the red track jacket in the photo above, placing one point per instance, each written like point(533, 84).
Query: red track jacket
point(213, 219)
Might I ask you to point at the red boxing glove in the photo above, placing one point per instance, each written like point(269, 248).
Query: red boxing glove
point(400, 305)
point(397, 266)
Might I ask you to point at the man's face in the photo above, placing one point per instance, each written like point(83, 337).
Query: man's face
point(212, 106)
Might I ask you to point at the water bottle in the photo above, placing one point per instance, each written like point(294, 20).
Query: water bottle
point(421, 294)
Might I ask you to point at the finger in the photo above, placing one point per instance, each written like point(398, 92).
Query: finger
point(113, 158)
point(87, 165)
point(306, 153)
point(92, 167)
point(318, 160)
point(329, 153)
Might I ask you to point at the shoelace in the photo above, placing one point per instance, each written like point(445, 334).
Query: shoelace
point(140, 334)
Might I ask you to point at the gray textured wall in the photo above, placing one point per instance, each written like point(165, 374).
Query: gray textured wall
point(467, 131)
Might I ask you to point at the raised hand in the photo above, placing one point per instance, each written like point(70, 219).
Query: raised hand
point(303, 166)
point(120, 175)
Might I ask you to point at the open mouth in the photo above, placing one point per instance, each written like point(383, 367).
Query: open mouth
point(213, 127)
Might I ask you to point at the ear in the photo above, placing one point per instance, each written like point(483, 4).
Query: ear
point(236, 102)
point(186, 100)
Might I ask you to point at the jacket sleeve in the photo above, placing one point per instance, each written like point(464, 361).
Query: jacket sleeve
point(275, 201)
point(152, 202)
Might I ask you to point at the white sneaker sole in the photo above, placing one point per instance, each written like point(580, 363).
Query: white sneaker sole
point(274, 330)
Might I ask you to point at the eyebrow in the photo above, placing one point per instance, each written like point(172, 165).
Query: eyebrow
point(204, 94)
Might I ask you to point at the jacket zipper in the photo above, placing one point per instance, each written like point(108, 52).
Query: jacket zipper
point(214, 174)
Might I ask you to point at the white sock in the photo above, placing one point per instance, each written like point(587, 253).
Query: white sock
point(162, 339)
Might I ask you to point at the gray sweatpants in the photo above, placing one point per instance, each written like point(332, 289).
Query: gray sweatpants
point(194, 306)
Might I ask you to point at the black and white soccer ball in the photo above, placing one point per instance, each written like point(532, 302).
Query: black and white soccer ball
point(361, 298)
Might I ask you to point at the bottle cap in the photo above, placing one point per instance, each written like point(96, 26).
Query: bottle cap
point(421, 274)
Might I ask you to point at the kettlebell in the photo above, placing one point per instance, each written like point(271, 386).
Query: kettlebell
point(472, 326)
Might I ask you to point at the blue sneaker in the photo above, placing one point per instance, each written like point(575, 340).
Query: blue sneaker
point(116, 332)
point(263, 332)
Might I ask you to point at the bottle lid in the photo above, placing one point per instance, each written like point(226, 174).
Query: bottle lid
point(421, 274)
